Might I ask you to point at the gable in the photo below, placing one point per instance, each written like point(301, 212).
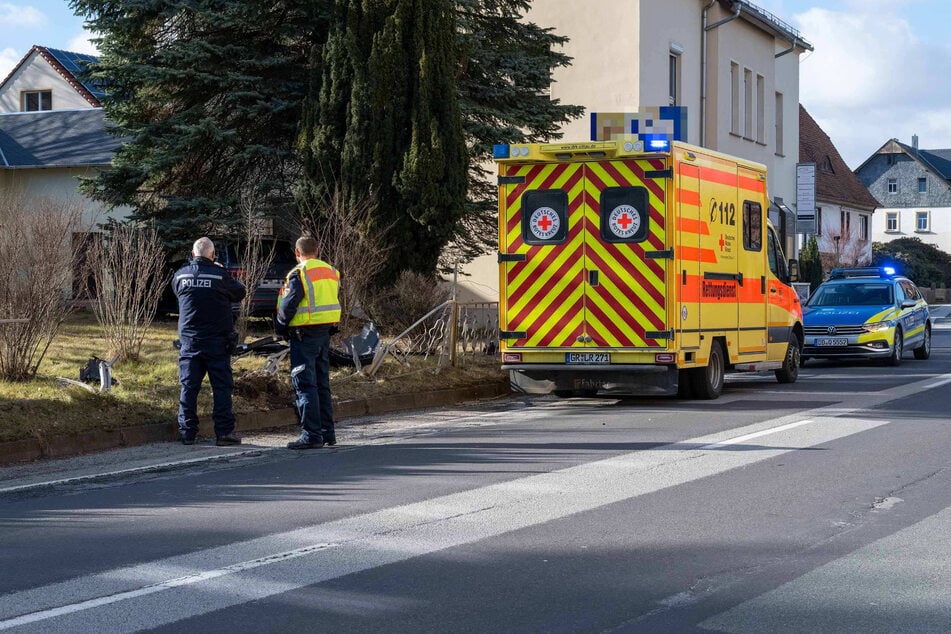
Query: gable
point(48, 70)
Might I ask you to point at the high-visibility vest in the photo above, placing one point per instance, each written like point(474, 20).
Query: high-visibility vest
point(321, 304)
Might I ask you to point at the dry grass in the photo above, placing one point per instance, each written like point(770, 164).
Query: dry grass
point(148, 389)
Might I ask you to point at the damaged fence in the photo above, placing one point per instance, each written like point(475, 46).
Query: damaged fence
point(452, 332)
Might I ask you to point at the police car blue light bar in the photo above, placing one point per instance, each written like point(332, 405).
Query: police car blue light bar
point(500, 151)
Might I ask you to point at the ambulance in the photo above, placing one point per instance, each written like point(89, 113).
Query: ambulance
point(639, 271)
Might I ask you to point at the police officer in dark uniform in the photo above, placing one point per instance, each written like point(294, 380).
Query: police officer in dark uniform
point(308, 311)
point(205, 292)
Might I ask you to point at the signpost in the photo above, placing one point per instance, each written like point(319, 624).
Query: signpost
point(806, 198)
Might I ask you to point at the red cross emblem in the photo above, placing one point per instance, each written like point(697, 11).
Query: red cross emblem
point(722, 242)
point(544, 223)
point(625, 221)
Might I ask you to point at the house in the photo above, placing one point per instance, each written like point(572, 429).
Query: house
point(48, 79)
point(913, 187)
point(53, 132)
point(733, 66)
point(844, 206)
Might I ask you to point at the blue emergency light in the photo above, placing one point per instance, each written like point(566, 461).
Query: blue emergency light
point(500, 151)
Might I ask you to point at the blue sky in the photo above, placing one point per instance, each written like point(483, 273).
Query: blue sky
point(880, 68)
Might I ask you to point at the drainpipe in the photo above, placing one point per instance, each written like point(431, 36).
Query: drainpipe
point(792, 48)
point(703, 62)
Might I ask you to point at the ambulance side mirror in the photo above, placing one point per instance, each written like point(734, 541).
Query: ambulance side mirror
point(793, 270)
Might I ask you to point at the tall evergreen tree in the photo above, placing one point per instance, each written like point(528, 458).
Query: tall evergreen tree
point(208, 94)
point(505, 75)
point(387, 128)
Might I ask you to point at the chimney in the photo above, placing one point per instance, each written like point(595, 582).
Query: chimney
point(914, 141)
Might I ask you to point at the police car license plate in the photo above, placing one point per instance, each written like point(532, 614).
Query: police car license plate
point(832, 341)
point(588, 358)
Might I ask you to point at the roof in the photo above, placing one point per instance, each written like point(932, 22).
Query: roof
point(937, 161)
point(56, 138)
point(835, 182)
point(768, 22)
point(69, 65)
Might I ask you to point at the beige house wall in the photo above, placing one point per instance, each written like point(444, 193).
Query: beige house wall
point(37, 74)
point(620, 62)
point(59, 184)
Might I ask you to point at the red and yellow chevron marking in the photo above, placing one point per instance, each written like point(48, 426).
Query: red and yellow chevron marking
point(545, 292)
point(630, 298)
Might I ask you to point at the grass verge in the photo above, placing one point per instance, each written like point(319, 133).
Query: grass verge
point(148, 390)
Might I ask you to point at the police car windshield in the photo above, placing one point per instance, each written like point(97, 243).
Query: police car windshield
point(852, 294)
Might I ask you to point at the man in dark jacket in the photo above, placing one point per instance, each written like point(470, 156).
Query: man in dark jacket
point(205, 292)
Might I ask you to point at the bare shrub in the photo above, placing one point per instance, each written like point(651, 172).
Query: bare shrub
point(129, 269)
point(413, 295)
point(255, 257)
point(343, 243)
point(37, 252)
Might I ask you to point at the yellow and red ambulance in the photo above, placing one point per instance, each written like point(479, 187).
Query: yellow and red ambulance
point(625, 270)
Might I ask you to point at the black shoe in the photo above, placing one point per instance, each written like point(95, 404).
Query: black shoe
point(301, 444)
point(330, 443)
point(227, 440)
point(188, 441)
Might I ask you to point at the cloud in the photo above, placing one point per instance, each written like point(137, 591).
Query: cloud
point(82, 44)
point(8, 59)
point(871, 78)
point(21, 15)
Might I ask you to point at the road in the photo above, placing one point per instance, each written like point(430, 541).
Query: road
point(822, 506)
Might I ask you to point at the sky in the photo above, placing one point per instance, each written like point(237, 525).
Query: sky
point(880, 68)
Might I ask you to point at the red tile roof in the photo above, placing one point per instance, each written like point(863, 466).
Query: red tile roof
point(835, 182)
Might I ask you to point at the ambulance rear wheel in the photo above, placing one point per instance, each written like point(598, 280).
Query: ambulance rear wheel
point(707, 383)
point(791, 362)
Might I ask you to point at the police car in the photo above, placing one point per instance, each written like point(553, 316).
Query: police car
point(866, 312)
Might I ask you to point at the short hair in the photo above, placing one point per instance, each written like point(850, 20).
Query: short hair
point(203, 247)
point(306, 245)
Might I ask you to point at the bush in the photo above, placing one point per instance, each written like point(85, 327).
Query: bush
point(923, 263)
point(413, 295)
point(38, 252)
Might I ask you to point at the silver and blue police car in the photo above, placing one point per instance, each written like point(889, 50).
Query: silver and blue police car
point(866, 312)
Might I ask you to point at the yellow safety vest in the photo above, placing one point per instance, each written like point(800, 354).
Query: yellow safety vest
point(321, 304)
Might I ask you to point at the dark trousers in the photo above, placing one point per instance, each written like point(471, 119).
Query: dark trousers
point(195, 360)
point(310, 374)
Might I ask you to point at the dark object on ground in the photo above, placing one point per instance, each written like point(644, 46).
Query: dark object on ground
point(363, 343)
point(228, 440)
point(300, 444)
point(90, 372)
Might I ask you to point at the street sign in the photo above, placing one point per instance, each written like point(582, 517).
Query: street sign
point(806, 198)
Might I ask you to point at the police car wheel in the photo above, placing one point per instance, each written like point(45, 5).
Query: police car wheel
point(924, 351)
point(791, 362)
point(708, 381)
point(894, 358)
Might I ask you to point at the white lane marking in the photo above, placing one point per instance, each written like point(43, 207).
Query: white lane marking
point(772, 430)
point(932, 386)
point(397, 534)
point(391, 535)
point(159, 587)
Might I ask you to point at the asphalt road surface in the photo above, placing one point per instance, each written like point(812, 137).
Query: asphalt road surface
point(822, 506)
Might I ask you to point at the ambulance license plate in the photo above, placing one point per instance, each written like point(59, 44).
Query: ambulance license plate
point(838, 342)
point(588, 358)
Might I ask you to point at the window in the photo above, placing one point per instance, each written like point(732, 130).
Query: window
point(864, 223)
point(818, 221)
point(842, 222)
point(625, 214)
point(36, 100)
point(748, 103)
point(922, 221)
point(545, 216)
point(923, 185)
point(752, 226)
point(892, 185)
point(891, 222)
point(779, 123)
point(760, 109)
point(673, 80)
point(735, 98)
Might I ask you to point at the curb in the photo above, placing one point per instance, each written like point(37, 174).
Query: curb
point(32, 449)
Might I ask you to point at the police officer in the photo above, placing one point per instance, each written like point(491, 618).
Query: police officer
point(205, 292)
point(308, 310)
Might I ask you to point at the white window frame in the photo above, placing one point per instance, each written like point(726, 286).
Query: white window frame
point(734, 98)
point(892, 185)
point(919, 215)
point(779, 124)
point(889, 217)
point(47, 93)
point(748, 104)
point(864, 226)
point(761, 109)
point(922, 180)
